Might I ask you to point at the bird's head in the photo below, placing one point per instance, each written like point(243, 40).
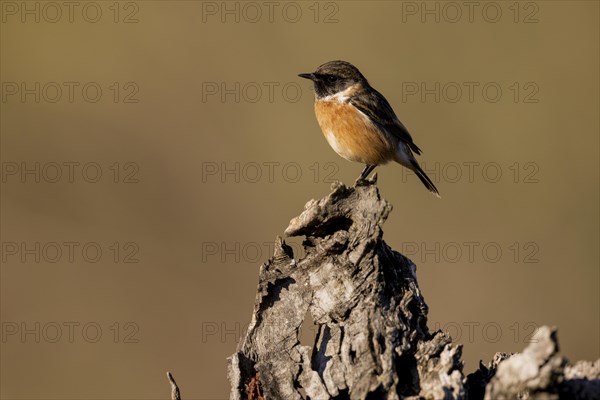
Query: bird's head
point(335, 77)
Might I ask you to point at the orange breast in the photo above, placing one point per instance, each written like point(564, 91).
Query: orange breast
point(351, 134)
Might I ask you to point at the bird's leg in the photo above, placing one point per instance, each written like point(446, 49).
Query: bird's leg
point(365, 172)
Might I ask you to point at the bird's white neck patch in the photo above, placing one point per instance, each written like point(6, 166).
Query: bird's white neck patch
point(342, 96)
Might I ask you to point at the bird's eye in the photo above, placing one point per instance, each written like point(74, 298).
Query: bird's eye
point(332, 78)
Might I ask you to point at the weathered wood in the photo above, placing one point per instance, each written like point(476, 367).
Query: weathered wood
point(539, 372)
point(372, 340)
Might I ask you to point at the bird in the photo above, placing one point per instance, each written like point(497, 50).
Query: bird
point(359, 123)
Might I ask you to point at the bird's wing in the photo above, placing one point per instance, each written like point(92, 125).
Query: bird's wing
point(376, 107)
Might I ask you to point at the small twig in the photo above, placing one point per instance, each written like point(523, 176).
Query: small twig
point(175, 395)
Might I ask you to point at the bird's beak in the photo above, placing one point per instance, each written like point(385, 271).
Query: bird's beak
point(307, 76)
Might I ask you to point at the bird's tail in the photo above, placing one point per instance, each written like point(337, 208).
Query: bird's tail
point(424, 178)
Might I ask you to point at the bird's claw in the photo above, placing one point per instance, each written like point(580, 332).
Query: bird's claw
point(360, 181)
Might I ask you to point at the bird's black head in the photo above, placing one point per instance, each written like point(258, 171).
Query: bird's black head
point(334, 77)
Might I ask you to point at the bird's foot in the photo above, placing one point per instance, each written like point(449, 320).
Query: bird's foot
point(360, 181)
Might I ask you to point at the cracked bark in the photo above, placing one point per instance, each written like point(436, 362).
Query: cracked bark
point(372, 340)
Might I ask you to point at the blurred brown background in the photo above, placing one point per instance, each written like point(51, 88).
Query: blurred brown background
point(207, 146)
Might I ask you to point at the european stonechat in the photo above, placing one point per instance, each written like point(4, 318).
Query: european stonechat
point(359, 123)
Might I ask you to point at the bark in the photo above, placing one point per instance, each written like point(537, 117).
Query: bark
point(539, 372)
point(372, 340)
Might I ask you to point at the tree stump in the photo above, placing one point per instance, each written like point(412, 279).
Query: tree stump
point(372, 340)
